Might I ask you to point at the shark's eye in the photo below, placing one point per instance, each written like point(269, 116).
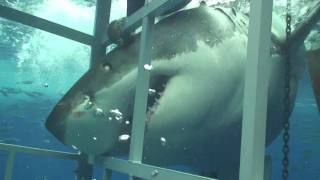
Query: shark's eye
point(86, 98)
point(106, 67)
point(87, 102)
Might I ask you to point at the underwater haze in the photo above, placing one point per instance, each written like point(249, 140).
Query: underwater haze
point(37, 68)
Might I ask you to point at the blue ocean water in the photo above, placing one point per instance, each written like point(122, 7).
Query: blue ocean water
point(37, 68)
point(304, 139)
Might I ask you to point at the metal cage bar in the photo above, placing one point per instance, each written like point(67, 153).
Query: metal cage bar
point(147, 171)
point(38, 151)
point(14, 149)
point(141, 96)
point(256, 91)
point(9, 167)
point(98, 47)
point(45, 25)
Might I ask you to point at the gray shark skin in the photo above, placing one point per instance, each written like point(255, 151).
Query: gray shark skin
point(194, 115)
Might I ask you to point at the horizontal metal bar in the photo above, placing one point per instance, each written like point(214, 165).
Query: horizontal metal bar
point(147, 171)
point(38, 151)
point(48, 26)
point(154, 8)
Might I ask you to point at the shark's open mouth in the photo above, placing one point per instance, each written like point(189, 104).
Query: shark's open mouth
point(156, 90)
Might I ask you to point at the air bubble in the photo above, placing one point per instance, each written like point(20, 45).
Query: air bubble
point(163, 141)
point(148, 67)
point(154, 173)
point(124, 137)
point(117, 114)
point(98, 111)
point(74, 147)
point(106, 67)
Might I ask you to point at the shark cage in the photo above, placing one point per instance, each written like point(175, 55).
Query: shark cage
point(254, 164)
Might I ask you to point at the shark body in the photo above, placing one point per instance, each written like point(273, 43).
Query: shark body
point(196, 94)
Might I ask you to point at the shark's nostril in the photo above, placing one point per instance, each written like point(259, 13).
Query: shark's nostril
point(63, 105)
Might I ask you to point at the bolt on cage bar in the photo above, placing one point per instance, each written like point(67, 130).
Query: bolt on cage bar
point(146, 15)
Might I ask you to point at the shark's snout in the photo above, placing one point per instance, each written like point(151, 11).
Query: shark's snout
point(56, 120)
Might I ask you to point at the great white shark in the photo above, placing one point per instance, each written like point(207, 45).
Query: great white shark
point(195, 100)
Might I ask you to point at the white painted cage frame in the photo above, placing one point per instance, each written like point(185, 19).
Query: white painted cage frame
point(253, 165)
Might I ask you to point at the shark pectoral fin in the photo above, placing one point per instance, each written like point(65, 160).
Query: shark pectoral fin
point(300, 33)
point(314, 71)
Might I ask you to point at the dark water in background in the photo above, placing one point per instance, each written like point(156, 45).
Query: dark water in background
point(39, 57)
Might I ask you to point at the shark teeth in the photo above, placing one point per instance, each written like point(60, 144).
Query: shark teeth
point(152, 91)
point(155, 94)
point(152, 109)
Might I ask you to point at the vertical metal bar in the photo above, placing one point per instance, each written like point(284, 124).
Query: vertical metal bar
point(101, 22)
point(98, 49)
point(10, 163)
point(84, 170)
point(255, 91)
point(107, 174)
point(268, 168)
point(141, 96)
